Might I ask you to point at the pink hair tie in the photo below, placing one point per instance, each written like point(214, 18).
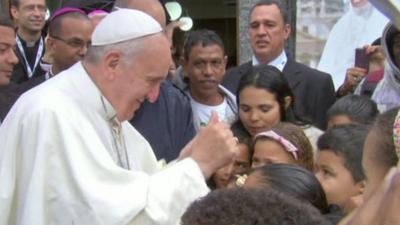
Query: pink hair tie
point(283, 141)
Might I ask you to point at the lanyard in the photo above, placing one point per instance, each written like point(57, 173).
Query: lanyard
point(38, 55)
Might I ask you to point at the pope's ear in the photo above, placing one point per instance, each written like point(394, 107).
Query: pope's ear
point(112, 61)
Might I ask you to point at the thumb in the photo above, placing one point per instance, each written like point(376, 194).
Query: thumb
point(214, 118)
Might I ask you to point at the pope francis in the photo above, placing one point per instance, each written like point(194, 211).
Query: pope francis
point(69, 156)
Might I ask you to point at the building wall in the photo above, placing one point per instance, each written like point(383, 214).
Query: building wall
point(315, 20)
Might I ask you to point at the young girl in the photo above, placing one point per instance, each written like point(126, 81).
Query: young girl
point(283, 143)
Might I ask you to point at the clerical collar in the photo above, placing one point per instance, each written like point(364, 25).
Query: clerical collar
point(122, 156)
point(39, 52)
point(108, 108)
point(29, 44)
point(279, 62)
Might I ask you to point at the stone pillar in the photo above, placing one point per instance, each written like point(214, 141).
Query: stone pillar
point(243, 44)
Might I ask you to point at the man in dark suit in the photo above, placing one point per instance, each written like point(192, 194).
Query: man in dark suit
point(269, 29)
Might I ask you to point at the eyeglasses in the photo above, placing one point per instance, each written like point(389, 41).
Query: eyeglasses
point(74, 42)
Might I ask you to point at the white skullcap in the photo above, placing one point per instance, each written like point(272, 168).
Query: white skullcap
point(122, 25)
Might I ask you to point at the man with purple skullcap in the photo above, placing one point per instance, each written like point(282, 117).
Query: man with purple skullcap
point(68, 39)
point(69, 156)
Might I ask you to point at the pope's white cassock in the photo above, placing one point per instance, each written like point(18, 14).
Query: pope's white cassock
point(355, 29)
point(59, 163)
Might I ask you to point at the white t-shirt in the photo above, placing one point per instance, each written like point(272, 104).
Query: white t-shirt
point(226, 111)
point(202, 113)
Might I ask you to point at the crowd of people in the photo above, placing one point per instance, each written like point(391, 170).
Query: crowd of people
point(97, 126)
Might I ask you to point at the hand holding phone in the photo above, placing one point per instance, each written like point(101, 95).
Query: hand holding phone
point(361, 58)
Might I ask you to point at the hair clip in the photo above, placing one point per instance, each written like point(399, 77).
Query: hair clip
point(240, 180)
point(287, 144)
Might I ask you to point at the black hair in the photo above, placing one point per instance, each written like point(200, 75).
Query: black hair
point(55, 27)
point(279, 4)
point(294, 181)
point(243, 136)
point(204, 37)
point(272, 80)
point(250, 207)
point(391, 32)
point(5, 21)
point(346, 141)
point(385, 152)
point(377, 41)
point(14, 3)
point(359, 109)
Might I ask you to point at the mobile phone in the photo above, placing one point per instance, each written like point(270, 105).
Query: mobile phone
point(361, 59)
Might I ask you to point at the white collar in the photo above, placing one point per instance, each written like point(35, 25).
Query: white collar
point(279, 62)
point(88, 88)
point(227, 94)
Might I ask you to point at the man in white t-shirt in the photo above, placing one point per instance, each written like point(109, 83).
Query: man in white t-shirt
point(204, 67)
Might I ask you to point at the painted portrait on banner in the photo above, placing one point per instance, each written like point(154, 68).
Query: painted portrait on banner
point(329, 31)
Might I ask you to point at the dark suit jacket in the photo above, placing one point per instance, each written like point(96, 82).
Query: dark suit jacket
point(313, 90)
point(167, 124)
point(8, 96)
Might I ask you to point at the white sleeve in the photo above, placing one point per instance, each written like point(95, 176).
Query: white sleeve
point(61, 173)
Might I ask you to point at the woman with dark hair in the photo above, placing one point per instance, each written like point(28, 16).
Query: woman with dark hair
point(264, 99)
point(296, 182)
